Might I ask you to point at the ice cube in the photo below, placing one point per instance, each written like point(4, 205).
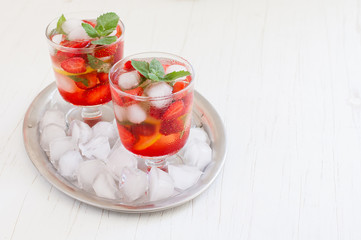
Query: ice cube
point(120, 158)
point(159, 89)
point(80, 131)
point(64, 83)
point(59, 146)
point(49, 133)
point(161, 185)
point(136, 114)
point(57, 38)
point(129, 80)
point(196, 133)
point(133, 184)
point(55, 117)
point(115, 126)
point(197, 153)
point(176, 68)
point(78, 33)
point(88, 171)
point(57, 103)
point(141, 165)
point(71, 24)
point(97, 147)
point(184, 176)
point(120, 113)
point(105, 129)
point(175, 159)
point(69, 164)
point(200, 134)
point(104, 186)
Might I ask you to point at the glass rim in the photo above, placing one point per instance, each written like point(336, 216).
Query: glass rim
point(147, 98)
point(86, 50)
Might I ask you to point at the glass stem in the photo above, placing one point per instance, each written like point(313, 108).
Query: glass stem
point(91, 113)
point(159, 163)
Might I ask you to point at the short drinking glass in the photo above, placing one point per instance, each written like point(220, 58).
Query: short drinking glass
point(81, 60)
point(152, 97)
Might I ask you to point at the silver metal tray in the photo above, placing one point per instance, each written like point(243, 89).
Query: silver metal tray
point(203, 114)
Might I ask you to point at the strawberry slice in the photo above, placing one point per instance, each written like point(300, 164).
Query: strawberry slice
point(143, 129)
point(63, 55)
point(90, 78)
point(103, 77)
point(126, 136)
point(98, 95)
point(105, 51)
point(119, 31)
point(172, 126)
point(93, 24)
point(175, 110)
point(157, 113)
point(128, 66)
point(179, 86)
point(75, 44)
point(138, 91)
point(74, 65)
point(117, 99)
point(188, 79)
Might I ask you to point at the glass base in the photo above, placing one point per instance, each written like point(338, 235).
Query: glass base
point(90, 115)
point(161, 162)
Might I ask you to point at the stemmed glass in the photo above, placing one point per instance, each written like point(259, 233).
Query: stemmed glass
point(153, 117)
point(81, 67)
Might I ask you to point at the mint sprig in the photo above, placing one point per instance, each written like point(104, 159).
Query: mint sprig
point(59, 24)
point(106, 24)
point(155, 71)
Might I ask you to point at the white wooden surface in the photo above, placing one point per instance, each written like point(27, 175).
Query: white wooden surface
point(285, 75)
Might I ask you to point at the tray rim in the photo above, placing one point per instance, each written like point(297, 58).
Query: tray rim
point(47, 170)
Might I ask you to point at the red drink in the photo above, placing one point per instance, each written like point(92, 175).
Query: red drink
point(153, 117)
point(81, 63)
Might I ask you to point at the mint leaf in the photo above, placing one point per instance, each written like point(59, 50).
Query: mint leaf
point(155, 71)
point(107, 32)
point(154, 77)
point(105, 40)
point(107, 22)
point(59, 24)
point(90, 30)
point(174, 75)
point(78, 79)
point(98, 64)
point(142, 67)
point(157, 68)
